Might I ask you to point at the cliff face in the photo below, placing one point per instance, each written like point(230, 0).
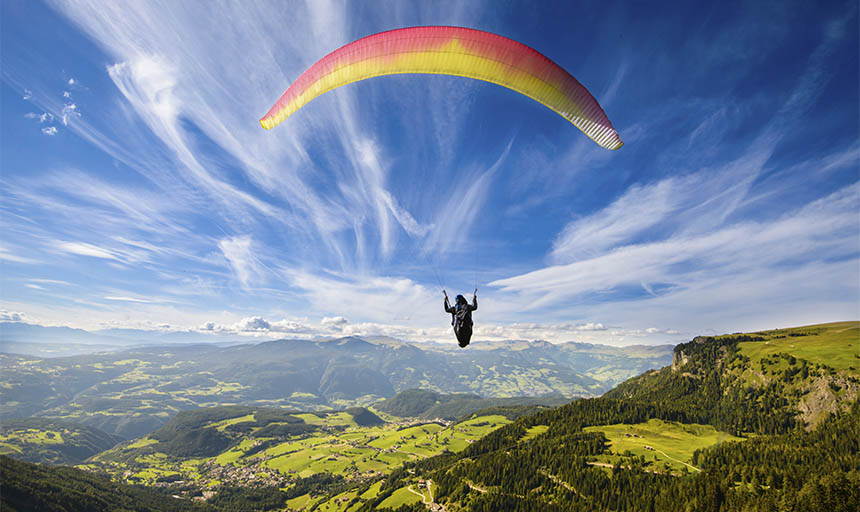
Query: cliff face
point(808, 389)
point(680, 356)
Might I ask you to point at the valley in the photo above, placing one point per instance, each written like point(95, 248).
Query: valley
point(745, 420)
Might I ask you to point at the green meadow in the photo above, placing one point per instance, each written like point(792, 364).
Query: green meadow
point(32, 437)
point(402, 496)
point(667, 447)
point(836, 345)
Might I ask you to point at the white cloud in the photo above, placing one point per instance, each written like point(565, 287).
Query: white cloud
point(638, 210)
point(67, 94)
point(336, 321)
point(70, 111)
point(5, 255)
point(239, 253)
point(51, 281)
point(289, 326)
point(44, 117)
point(149, 82)
point(128, 299)
point(50, 130)
point(454, 222)
point(257, 325)
point(591, 326)
point(368, 298)
point(85, 249)
point(11, 316)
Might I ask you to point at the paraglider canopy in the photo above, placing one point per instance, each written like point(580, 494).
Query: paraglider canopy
point(452, 51)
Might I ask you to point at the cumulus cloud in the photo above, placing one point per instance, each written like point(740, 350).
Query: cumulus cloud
point(257, 325)
point(334, 322)
point(591, 326)
point(11, 316)
point(49, 130)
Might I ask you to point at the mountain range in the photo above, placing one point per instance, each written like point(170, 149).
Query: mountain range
point(133, 391)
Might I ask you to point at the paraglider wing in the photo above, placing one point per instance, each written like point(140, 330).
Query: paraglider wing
point(451, 51)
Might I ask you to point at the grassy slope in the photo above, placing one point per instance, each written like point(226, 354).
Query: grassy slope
point(671, 443)
point(836, 344)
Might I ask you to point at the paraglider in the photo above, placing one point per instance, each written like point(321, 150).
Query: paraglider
point(461, 316)
point(451, 51)
point(454, 51)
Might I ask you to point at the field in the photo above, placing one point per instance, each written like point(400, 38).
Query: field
point(836, 344)
point(666, 446)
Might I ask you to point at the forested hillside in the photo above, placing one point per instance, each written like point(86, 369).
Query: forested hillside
point(34, 487)
point(429, 404)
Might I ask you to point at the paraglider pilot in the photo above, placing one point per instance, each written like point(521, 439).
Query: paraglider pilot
point(461, 316)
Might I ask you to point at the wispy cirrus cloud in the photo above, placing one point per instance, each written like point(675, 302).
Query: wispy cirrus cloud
point(85, 249)
point(167, 79)
point(239, 252)
point(825, 230)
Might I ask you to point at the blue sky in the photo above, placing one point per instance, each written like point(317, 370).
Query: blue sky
point(139, 191)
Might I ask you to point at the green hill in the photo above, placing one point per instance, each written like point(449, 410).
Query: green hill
point(51, 441)
point(34, 487)
point(415, 402)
